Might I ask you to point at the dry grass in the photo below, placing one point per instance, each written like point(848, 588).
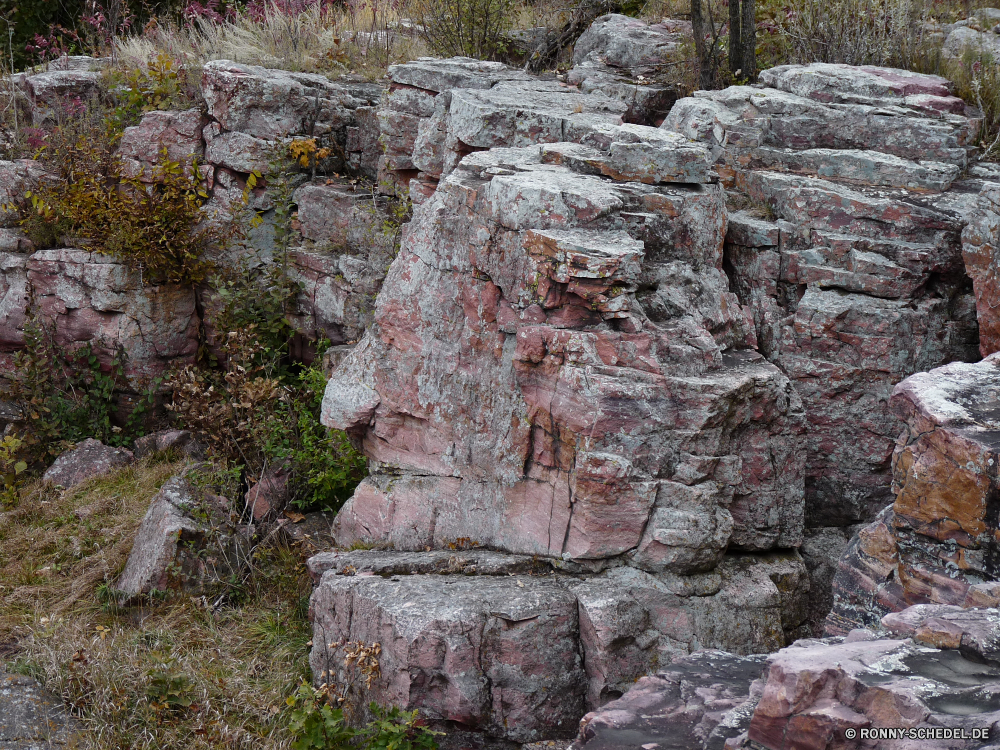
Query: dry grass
point(173, 673)
point(361, 40)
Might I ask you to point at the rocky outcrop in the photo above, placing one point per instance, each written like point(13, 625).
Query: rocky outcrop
point(849, 256)
point(89, 459)
point(698, 702)
point(929, 678)
point(627, 59)
point(940, 540)
point(557, 369)
point(519, 647)
point(980, 249)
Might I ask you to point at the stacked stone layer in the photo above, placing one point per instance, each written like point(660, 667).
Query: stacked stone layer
point(852, 266)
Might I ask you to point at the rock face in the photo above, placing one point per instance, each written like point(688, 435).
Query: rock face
point(518, 647)
point(91, 298)
point(187, 540)
point(622, 57)
point(91, 458)
point(940, 540)
point(558, 467)
point(929, 679)
point(698, 702)
point(980, 249)
point(855, 277)
point(252, 114)
point(557, 369)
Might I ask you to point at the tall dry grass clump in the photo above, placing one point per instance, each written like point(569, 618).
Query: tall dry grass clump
point(856, 32)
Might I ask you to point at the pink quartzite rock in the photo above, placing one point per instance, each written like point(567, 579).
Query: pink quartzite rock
point(980, 249)
point(181, 441)
point(271, 104)
point(574, 640)
point(697, 702)
point(91, 458)
point(855, 279)
point(14, 299)
point(538, 423)
point(621, 57)
point(92, 298)
point(174, 135)
point(938, 691)
point(939, 541)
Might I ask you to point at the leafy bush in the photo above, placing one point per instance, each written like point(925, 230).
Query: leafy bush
point(474, 28)
point(318, 722)
point(66, 396)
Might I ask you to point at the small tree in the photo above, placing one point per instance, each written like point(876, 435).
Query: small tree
point(743, 39)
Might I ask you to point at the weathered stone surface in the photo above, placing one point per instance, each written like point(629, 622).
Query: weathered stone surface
point(91, 458)
point(822, 106)
point(938, 542)
point(186, 540)
point(980, 249)
point(815, 691)
point(241, 152)
point(452, 441)
point(623, 623)
point(493, 653)
point(181, 441)
point(337, 213)
point(270, 104)
point(16, 178)
point(92, 298)
point(963, 38)
point(938, 689)
point(268, 494)
point(14, 298)
point(65, 90)
point(648, 103)
point(697, 702)
point(172, 135)
point(32, 719)
point(629, 44)
point(855, 280)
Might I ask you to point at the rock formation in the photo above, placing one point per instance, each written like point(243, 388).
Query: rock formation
point(939, 542)
point(928, 678)
point(252, 114)
point(557, 369)
point(855, 277)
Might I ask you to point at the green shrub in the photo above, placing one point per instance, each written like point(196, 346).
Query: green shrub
point(317, 721)
point(474, 28)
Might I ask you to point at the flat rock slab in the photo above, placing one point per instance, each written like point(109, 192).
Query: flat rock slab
point(91, 458)
point(33, 719)
point(697, 702)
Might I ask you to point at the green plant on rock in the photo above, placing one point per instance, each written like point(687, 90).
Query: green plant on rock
point(317, 721)
point(158, 228)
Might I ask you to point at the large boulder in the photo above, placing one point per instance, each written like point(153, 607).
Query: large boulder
point(516, 648)
point(627, 59)
point(558, 342)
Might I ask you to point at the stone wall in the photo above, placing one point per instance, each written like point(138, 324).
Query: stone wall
point(340, 252)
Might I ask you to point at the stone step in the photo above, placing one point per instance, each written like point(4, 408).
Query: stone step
point(517, 648)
